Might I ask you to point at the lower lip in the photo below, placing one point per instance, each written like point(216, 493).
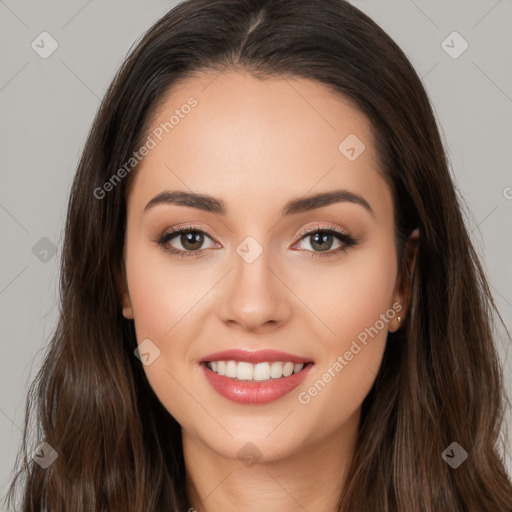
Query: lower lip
point(254, 392)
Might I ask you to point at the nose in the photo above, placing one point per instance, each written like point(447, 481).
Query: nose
point(253, 296)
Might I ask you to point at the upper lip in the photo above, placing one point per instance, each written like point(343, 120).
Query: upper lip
point(254, 356)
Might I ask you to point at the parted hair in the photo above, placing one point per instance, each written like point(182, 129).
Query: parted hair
point(440, 380)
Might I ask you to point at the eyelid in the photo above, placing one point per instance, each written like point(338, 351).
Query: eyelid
point(343, 237)
point(171, 233)
point(320, 227)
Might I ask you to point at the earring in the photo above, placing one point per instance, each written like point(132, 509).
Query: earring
point(399, 319)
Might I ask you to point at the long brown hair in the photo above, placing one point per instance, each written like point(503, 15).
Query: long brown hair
point(440, 380)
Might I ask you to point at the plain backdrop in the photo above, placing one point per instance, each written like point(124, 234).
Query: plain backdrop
point(47, 106)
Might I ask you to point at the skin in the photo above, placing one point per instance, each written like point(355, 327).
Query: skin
point(256, 145)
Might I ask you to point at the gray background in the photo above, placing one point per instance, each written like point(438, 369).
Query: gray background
point(47, 106)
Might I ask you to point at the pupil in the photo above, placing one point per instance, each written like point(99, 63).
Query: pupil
point(319, 238)
point(192, 238)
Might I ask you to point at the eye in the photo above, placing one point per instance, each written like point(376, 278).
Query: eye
point(192, 238)
point(189, 237)
point(321, 239)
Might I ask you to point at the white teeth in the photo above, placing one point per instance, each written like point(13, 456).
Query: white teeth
point(243, 370)
point(261, 371)
point(276, 370)
point(231, 369)
point(288, 369)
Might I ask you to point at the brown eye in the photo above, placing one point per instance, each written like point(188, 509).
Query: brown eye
point(188, 239)
point(191, 240)
point(321, 241)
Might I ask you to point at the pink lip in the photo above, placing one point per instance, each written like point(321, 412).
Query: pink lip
point(254, 392)
point(258, 356)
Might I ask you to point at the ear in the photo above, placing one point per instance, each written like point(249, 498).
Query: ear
point(122, 287)
point(403, 288)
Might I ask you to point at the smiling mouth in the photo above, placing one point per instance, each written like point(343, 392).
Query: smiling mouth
point(259, 372)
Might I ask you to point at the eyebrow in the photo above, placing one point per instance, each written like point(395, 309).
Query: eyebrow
point(293, 207)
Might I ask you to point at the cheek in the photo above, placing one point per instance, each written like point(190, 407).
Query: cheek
point(160, 304)
point(161, 292)
point(356, 306)
point(365, 295)
point(350, 296)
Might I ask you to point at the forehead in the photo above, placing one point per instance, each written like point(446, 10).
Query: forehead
point(272, 139)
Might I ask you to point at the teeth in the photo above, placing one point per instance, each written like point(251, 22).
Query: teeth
point(243, 370)
point(231, 369)
point(261, 371)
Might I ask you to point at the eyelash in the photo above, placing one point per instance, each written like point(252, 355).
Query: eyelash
point(347, 240)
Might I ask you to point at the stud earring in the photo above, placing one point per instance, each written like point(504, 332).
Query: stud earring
point(399, 318)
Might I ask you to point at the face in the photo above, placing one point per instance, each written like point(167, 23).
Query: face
point(256, 270)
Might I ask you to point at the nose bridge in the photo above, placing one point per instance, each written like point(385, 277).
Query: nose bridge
point(253, 295)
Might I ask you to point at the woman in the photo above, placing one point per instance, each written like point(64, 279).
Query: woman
point(269, 296)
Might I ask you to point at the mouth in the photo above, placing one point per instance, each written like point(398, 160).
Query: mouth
point(259, 372)
point(254, 377)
